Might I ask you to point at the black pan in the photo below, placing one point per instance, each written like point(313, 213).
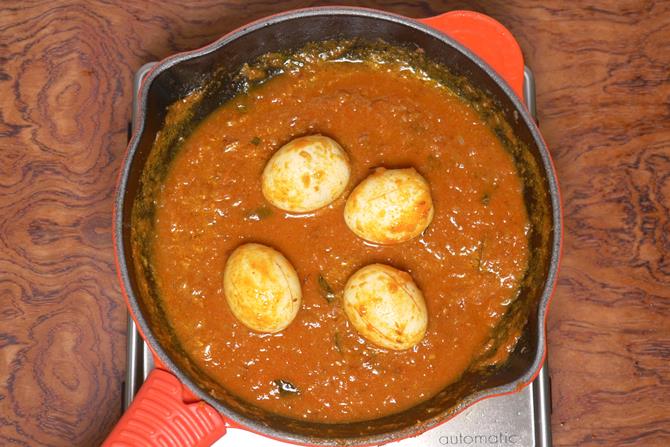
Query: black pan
point(198, 412)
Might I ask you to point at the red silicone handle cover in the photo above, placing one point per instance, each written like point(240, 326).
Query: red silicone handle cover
point(488, 39)
point(161, 415)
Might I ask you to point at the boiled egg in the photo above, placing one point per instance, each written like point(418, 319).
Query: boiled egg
point(390, 206)
point(306, 174)
point(262, 288)
point(386, 307)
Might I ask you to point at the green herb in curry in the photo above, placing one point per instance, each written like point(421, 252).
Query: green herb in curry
point(286, 388)
point(258, 214)
point(325, 289)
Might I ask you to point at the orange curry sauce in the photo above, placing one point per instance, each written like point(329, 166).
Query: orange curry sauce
point(468, 263)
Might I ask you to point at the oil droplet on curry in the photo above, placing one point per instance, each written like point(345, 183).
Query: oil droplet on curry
point(468, 262)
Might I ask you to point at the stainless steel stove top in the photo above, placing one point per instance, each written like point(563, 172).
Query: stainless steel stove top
point(517, 420)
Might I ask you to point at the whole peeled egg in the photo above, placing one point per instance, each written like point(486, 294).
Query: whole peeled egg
point(306, 174)
point(262, 288)
point(386, 307)
point(390, 206)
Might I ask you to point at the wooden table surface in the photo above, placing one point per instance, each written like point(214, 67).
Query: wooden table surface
point(603, 83)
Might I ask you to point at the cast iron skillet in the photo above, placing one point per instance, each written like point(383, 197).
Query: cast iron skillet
point(165, 412)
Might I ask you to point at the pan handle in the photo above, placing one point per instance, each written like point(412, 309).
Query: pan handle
point(488, 39)
point(163, 413)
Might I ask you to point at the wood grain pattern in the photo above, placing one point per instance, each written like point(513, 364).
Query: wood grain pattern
point(603, 81)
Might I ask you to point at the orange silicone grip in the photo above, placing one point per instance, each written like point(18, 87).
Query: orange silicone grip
point(159, 416)
point(488, 39)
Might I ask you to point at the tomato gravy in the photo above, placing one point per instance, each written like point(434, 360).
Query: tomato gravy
point(468, 262)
